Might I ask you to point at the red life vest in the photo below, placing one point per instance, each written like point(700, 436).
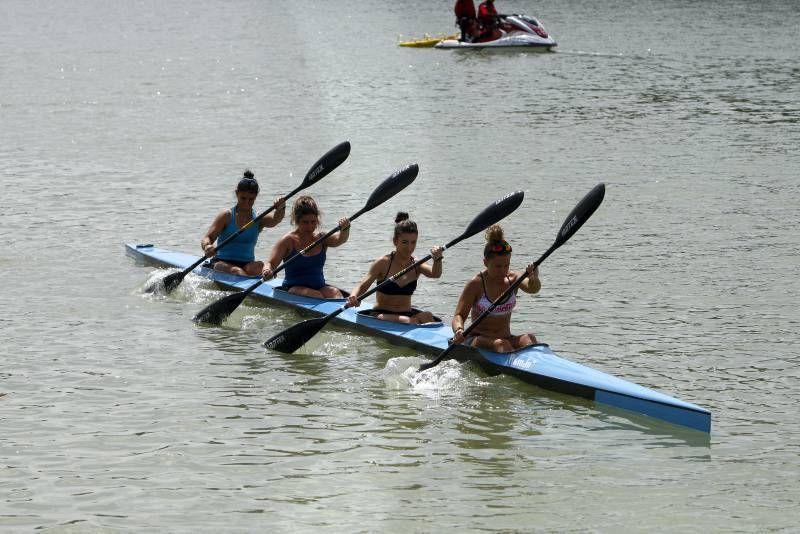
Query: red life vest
point(464, 8)
point(486, 13)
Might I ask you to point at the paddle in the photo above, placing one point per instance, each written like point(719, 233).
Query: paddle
point(296, 336)
point(579, 215)
point(332, 159)
point(216, 312)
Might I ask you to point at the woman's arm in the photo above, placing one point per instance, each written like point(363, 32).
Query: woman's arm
point(207, 243)
point(375, 271)
point(531, 284)
point(340, 237)
point(274, 218)
point(433, 270)
point(279, 251)
point(465, 302)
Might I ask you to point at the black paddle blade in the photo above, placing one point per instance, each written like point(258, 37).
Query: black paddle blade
point(329, 161)
point(442, 355)
point(495, 212)
point(218, 311)
point(154, 286)
point(581, 213)
point(395, 183)
point(295, 336)
point(171, 281)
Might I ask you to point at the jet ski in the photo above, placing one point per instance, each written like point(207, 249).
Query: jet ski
point(512, 30)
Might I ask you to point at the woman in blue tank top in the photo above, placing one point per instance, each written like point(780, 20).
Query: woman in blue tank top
point(393, 300)
point(494, 332)
point(304, 275)
point(238, 256)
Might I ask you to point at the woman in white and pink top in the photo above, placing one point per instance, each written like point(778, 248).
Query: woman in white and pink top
point(494, 332)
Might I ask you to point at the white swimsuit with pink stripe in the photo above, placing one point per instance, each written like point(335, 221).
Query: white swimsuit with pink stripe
point(484, 303)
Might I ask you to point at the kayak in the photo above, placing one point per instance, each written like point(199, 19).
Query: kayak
point(426, 42)
point(536, 364)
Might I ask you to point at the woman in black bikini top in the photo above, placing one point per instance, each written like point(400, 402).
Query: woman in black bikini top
point(393, 300)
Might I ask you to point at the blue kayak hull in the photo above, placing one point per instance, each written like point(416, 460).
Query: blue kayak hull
point(536, 365)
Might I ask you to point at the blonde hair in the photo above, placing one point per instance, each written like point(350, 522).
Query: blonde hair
point(495, 244)
point(494, 233)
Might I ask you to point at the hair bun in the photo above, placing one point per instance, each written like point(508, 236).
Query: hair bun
point(248, 183)
point(494, 233)
point(400, 217)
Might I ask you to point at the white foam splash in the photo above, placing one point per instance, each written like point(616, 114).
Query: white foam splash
point(446, 378)
point(193, 288)
point(154, 281)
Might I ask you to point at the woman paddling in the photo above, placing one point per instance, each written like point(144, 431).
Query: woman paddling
point(393, 300)
point(494, 332)
point(304, 275)
point(238, 256)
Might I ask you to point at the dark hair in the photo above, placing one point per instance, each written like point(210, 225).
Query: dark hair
point(248, 183)
point(304, 205)
point(495, 244)
point(404, 225)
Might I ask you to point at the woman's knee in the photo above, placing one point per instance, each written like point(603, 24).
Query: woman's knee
point(424, 317)
point(525, 340)
point(254, 268)
point(502, 345)
point(304, 291)
point(330, 292)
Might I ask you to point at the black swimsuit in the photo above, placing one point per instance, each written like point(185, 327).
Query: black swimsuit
point(391, 287)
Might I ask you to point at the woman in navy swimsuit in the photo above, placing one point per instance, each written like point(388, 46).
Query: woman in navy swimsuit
point(304, 275)
point(238, 256)
point(494, 332)
point(393, 300)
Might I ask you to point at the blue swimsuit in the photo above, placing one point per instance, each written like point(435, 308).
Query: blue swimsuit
point(305, 271)
point(243, 248)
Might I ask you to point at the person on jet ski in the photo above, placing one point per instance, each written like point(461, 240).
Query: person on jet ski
point(488, 18)
point(466, 19)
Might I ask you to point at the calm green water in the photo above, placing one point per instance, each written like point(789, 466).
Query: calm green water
point(131, 122)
